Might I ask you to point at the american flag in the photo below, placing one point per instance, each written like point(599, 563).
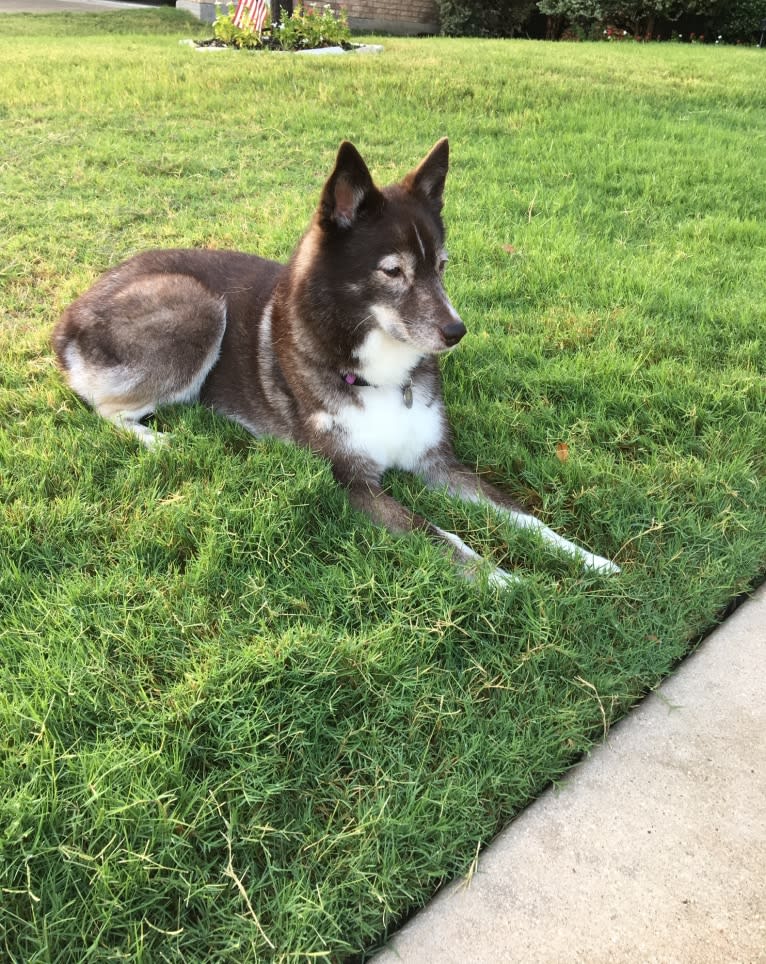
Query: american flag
point(257, 10)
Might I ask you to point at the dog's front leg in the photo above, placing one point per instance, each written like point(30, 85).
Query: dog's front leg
point(465, 484)
point(382, 508)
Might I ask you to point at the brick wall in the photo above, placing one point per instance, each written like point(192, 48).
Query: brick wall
point(391, 16)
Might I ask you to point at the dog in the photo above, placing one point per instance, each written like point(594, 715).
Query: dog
point(337, 350)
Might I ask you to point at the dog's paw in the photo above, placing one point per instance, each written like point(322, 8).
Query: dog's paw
point(599, 564)
point(150, 437)
point(472, 566)
point(147, 436)
point(156, 440)
point(502, 579)
point(481, 571)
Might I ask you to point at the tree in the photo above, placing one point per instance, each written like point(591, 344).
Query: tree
point(640, 16)
point(737, 19)
point(580, 13)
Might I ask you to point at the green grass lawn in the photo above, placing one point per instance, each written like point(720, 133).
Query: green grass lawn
point(238, 721)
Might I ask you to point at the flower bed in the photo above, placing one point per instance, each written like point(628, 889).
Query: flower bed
point(312, 27)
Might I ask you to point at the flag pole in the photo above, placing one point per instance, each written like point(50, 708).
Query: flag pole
point(276, 5)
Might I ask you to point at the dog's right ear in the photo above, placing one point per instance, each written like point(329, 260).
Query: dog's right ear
point(349, 190)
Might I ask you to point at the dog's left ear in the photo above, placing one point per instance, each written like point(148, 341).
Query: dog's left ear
point(429, 176)
point(349, 190)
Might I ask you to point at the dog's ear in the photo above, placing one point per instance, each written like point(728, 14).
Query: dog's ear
point(349, 190)
point(427, 180)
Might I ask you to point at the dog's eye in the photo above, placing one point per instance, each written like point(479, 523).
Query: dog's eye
point(442, 265)
point(391, 270)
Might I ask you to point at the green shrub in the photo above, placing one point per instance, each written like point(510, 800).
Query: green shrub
point(473, 18)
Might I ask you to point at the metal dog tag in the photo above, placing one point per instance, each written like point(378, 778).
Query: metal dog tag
point(407, 396)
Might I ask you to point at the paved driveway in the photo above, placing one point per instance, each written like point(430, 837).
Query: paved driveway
point(63, 6)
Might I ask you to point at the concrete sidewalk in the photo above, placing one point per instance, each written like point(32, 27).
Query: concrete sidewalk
point(654, 848)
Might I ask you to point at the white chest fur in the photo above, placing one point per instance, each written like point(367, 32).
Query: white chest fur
point(382, 359)
point(386, 431)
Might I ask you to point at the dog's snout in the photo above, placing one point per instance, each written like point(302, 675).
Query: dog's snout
point(453, 332)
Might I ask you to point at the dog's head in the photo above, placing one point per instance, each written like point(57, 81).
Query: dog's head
point(380, 255)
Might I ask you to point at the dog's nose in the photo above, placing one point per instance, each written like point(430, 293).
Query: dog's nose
point(453, 332)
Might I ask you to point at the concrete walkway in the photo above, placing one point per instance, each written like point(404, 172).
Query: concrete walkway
point(653, 850)
point(65, 6)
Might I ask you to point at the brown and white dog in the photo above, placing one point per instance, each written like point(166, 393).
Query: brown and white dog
point(337, 350)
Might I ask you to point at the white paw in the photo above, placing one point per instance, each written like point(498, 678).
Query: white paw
point(599, 564)
point(589, 560)
point(502, 579)
point(471, 563)
point(147, 436)
point(155, 440)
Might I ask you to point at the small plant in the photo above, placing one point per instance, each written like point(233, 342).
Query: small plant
point(225, 31)
point(312, 26)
